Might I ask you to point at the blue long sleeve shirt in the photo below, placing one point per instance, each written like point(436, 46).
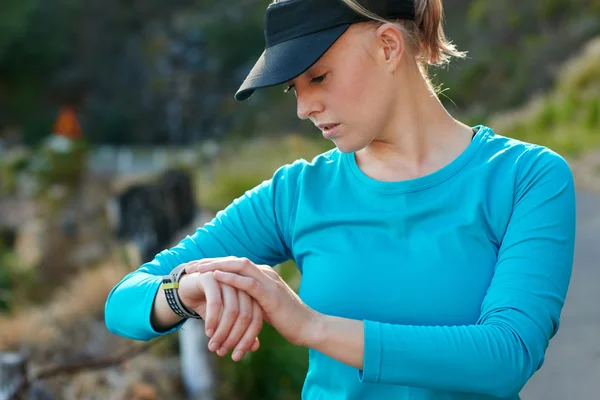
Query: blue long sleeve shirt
point(460, 276)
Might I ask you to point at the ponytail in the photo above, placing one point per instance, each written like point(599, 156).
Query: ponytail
point(425, 33)
point(434, 47)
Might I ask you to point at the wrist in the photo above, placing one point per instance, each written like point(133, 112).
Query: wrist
point(171, 285)
point(162, 317)
point(317, 330)
point(189, 282)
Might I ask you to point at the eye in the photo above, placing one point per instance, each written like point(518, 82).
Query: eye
point(319, 79)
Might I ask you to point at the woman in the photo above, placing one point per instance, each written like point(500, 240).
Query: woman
point(435, 257)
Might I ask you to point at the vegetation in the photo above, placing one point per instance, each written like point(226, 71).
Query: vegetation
point(18, 282)
point(188, 57)
point(242, 165)
point(567, 118)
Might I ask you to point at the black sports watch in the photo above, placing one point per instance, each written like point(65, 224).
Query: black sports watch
point(170, 285)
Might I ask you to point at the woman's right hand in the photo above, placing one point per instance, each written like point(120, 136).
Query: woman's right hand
point(232, 318)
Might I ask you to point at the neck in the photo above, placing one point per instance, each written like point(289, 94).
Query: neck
point(421, 136)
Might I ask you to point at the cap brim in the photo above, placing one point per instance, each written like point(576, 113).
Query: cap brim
point(284, 61)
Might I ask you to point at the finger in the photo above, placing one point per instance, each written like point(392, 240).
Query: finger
point(248, 285)
point(250, 339)
point(231, 264)
point(241, 266)
point(269, 271)
point(241, 324)
point(229, 315)
point(214, 303)
point(192, 266)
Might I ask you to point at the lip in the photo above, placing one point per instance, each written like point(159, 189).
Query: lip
point(327, 133)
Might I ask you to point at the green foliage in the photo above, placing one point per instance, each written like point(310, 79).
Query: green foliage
point(58, 163)
point(238, 43)
point(11, 165)
point(61, 166)
point(276, 371)
point(114, 124)
point(567, 119)
point(14, 22)
point(5, 281)
point(245, 164)
point(16, 281)
point(512, 47)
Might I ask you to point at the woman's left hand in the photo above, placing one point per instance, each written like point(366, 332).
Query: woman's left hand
point(281, 306)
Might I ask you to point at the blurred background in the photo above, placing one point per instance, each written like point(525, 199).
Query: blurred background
point(119, 135)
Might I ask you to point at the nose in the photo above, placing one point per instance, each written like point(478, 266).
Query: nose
point(307, 105)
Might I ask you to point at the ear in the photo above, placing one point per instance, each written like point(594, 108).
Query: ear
point(391, 46)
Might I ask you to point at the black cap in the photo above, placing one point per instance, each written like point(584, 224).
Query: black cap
point(299, 32)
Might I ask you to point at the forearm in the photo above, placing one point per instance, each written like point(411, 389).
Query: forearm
point(134, 306)
point(484, 359)
point(340, 338)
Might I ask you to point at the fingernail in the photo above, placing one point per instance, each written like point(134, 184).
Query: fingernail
point(213, 346)
point(222, 351)
point(210, 332)
point(237, 355)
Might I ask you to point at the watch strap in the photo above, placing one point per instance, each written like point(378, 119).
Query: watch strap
point(170, 285)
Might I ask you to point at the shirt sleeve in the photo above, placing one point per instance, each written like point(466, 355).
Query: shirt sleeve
point(254, 226)
point(519, 314)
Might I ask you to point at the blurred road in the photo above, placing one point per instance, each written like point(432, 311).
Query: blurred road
point(572, 367)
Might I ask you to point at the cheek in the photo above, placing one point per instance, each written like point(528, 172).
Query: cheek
point(363, 105)
point(355, 100)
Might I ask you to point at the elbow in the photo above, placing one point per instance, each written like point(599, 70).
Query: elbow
point(509, 381)
point(127, 310)
point(511, 372)
point(114, 320)
point(113, 328)
point(119, 324)
point(111, 318)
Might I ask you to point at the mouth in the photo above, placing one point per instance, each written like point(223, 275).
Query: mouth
point(330, 126)
point(329, 130)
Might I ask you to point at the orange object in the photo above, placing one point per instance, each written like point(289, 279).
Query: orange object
point(67, 124)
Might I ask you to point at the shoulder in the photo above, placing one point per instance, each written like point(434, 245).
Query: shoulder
point(528, 163)
point(283, 189)
point(320, 165)
point(525, 157)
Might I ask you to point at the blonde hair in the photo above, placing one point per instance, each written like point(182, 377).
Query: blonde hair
point(425, 33)
point(426, 38)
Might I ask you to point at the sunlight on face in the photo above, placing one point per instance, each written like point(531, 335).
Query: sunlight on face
point(349, 87)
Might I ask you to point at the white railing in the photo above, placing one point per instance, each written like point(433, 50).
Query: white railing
point(137, 159)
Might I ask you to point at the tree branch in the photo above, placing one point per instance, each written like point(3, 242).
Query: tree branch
point(80, 366)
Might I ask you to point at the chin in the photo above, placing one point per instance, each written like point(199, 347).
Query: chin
point(346, 146)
